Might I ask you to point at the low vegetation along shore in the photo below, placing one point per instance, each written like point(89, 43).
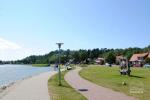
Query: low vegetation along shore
point(64, 92)
point(110, 77)
point(40, 65)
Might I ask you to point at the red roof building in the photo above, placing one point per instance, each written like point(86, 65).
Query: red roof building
point(138, 59)
point(99, 61)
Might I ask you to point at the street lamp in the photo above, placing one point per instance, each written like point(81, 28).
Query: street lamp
point(59, 72)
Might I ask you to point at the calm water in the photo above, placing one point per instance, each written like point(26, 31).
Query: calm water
point(12, 73)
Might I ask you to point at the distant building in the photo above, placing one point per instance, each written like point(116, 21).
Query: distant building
point(99, 61)
point(138, 60)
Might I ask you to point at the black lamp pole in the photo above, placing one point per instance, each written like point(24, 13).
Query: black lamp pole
point(59, 72)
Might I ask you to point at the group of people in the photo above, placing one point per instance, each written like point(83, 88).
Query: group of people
point(67, 66)
point(124, 67)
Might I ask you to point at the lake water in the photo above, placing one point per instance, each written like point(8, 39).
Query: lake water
point(12, 73)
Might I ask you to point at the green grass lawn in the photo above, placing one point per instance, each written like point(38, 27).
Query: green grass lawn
point(64, 92)
point(110, 77)
point(40, 65)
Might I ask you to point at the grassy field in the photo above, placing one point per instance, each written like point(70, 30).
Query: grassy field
point(40, 65)
point(64, 92)
point(110, 77)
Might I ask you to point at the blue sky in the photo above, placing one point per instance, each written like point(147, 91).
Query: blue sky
point(34, 26)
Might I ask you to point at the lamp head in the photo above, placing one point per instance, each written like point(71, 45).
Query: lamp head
point(59, 44)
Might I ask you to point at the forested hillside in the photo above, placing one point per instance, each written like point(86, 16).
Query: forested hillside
point(79, 56)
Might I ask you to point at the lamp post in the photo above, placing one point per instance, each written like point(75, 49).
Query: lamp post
point(59, 72)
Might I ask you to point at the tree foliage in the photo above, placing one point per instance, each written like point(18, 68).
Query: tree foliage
point(110, 58)
point(80, 56)
point(147, 60)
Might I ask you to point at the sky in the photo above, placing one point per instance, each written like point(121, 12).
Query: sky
point(33, 27)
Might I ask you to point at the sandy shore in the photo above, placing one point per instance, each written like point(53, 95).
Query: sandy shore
point(33, 88)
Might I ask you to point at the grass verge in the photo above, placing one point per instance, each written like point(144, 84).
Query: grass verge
point(64, 92)
point(40, 65)
point(110, 77)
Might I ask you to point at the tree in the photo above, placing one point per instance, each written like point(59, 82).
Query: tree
point(95, 53)
point(53, 59)
point(83, 55)
point(67, 55)
point(129, 54)
point(1, 62)
point(110, 58)
point(76, 57)
point(147, 60)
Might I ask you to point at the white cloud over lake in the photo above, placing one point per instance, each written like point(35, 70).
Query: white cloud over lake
point(14, 54)
point(8, 45)
point(10, 50)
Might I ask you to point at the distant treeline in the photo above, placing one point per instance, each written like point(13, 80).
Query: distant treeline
point(79, 56)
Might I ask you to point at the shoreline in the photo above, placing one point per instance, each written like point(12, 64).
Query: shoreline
point(5, 89)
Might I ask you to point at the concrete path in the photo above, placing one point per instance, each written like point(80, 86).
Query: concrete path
point(34, 88)
point(94, 92)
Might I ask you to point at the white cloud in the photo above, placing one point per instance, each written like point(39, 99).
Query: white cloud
point(8, 45)
point(12, 51)
point(14, 54)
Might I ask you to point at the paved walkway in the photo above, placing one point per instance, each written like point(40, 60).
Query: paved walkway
point(94, 92)
point(34, 88)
